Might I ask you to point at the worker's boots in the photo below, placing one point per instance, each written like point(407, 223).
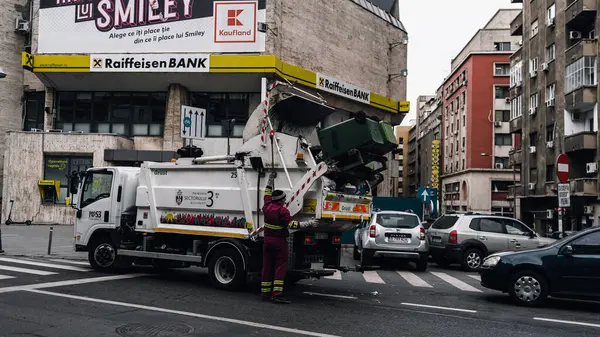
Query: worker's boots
point(280, 300)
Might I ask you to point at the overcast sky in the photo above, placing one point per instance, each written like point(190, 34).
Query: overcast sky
point(437, 31)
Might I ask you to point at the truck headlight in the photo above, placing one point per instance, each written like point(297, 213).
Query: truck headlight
point(491, 261)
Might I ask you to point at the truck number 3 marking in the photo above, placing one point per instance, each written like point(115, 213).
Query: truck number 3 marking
point(210, 199)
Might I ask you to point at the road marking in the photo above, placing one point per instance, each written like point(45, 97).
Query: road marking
point(330, 295)
point(336, 276)
point(475, 277)
point(41, 264)
point(27, 271)
point(69, 282)
point(566, 322)
point(186, 313)
point(436, 307)
point(80, 263)
point(413, 279)
point(456, 282)
point(5, 277)
point(371, 276)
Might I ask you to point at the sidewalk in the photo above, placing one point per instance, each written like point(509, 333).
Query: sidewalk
point(32, 241)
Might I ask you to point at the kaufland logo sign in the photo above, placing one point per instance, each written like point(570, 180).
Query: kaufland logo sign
point(235, 21)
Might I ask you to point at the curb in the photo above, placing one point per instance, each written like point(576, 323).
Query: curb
point(45, 256)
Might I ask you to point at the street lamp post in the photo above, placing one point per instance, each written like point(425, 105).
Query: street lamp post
point(2, 75)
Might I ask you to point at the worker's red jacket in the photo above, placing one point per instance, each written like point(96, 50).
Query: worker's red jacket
point(277, 217)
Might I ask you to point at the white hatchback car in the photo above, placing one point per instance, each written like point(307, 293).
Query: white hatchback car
point(392, 234)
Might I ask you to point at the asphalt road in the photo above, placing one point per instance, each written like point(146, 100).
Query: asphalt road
point(75, 301)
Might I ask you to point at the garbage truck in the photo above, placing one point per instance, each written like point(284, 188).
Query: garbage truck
point(206, 210)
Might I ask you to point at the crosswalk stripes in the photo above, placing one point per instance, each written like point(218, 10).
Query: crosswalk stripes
point(79, 263)
point(27, 270)
point(43, 264)
point(336, 276)
point(18, 266)
point(456, 282)
point(414, 279)
point(5, 277)
point(475, 277)
point(371, 276)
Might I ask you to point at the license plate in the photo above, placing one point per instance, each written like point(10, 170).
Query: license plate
point(399, 240)
point(436, 239)
point(321, 236)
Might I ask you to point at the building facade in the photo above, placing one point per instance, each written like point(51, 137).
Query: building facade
point(429, 136)
point(554, 110)
point(475, 125)
point(111, 93)
point(413, 156)
point(402, 134)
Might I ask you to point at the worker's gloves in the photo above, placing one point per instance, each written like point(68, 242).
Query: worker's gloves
point(272, 177)
point(309, 223)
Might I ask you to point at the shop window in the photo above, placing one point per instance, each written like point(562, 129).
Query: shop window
point(124, 113)
point(220, 108)
point(60, 167)
point(34, 110)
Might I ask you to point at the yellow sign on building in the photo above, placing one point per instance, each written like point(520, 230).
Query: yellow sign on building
point(435, 164)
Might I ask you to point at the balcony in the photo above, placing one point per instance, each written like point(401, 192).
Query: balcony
point(580, 141)
point(580, 10)
point(584, 47)
point(511, 191)
point(516, 124)
point(584, 186)
point(516, 156)
point(516, 26)
point(582, 99)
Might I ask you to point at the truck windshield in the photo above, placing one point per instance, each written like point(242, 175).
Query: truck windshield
point(97, 186)
point(397, 220)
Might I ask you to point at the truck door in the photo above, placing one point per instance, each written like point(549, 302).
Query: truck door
point(97, 201)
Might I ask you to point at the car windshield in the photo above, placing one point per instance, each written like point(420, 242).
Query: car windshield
point(397, 220)
point(568, 237)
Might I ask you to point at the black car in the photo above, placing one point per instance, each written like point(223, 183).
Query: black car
point(567, 268)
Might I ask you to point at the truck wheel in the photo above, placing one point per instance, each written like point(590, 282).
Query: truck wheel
point(102, 254)
point(226, 269)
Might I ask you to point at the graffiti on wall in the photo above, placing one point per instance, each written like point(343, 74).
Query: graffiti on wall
point(202, 220)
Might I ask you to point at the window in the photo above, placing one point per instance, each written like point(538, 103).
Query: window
point(34, 110)
point(534, 28)
point(445, 221)
point(587, 244)
point(550, 133)
point(464, 120)
point(551, 53)
point(60, 167)
point(502, 92)
point(550, 172)
point(533, 66)
point(220, 108)
point(500, 186)
point(550, 92)
point(533, 101)
point(502, 46)
point(516, 228)
point(580, 73)
point(463, 164)
point(97, 186)
point(550, 15)
point(130, 114)
point(491, 225)
point(502, 115)
point(463, 141)
point(502, 69)
point(502, 139)
point(516, 74)
point(516, 109)
point(533, 139)
point(532, 175)
point(501, 161)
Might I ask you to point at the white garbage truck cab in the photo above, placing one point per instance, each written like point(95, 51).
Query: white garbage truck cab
point(206, 210)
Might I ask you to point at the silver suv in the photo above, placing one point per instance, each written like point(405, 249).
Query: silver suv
point(392, 234)
point(468, 238)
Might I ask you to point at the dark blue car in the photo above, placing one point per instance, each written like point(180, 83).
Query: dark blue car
point(567, 268)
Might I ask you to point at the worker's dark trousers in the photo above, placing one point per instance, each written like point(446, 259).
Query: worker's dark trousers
point(274, 267)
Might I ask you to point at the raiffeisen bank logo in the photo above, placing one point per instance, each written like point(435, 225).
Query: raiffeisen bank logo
point(235, 21)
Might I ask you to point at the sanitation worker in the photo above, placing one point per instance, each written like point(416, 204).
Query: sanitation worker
point(277, 220)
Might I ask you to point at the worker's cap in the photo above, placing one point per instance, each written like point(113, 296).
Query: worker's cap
point(277, 195)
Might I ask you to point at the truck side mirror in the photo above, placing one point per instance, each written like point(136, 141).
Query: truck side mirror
point(73, 184)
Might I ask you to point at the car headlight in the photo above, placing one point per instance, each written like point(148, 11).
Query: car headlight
point(491, 261)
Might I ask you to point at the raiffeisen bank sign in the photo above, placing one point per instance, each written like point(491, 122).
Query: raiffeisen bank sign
point(149, 26)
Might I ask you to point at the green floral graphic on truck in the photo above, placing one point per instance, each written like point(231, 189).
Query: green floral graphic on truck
point(202, 220)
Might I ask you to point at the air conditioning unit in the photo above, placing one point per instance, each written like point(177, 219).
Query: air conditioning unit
point(545, 66)
point(532, 111)
point(520, 42)
point(588, 209)
point(533, 73)
point(36, 130)
point(456, 131)
point(21, 26)
point(531, 186)
point(574, 35)
point(576, 117)
point(591, 167)
point(497, 124)
point(550, 144)
point(507, 99)
point(550, 22)
point(499, 166)
point(549, 214)
point(532, 149)
point(551, 102)
point(55, 130)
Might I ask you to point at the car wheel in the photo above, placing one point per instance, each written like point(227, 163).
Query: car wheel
point(355, 253)
point(422, 263)
point(528, 288)
point(472, 259)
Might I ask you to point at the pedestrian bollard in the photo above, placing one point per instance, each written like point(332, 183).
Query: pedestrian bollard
point(1, 250)
point(50, 240)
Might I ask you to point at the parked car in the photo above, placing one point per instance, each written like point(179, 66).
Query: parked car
point(468, 238)
point(568, 268)
point(392, 234)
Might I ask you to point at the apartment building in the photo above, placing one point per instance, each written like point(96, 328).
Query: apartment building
point(554, 110)
point(476, 137)
point(412, 167)
point(402, 134)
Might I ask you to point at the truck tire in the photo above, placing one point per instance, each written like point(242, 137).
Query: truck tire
point(226, 269)
point(102, 254)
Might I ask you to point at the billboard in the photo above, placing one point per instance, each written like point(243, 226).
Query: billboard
point(435, 164)
point(150, 26)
